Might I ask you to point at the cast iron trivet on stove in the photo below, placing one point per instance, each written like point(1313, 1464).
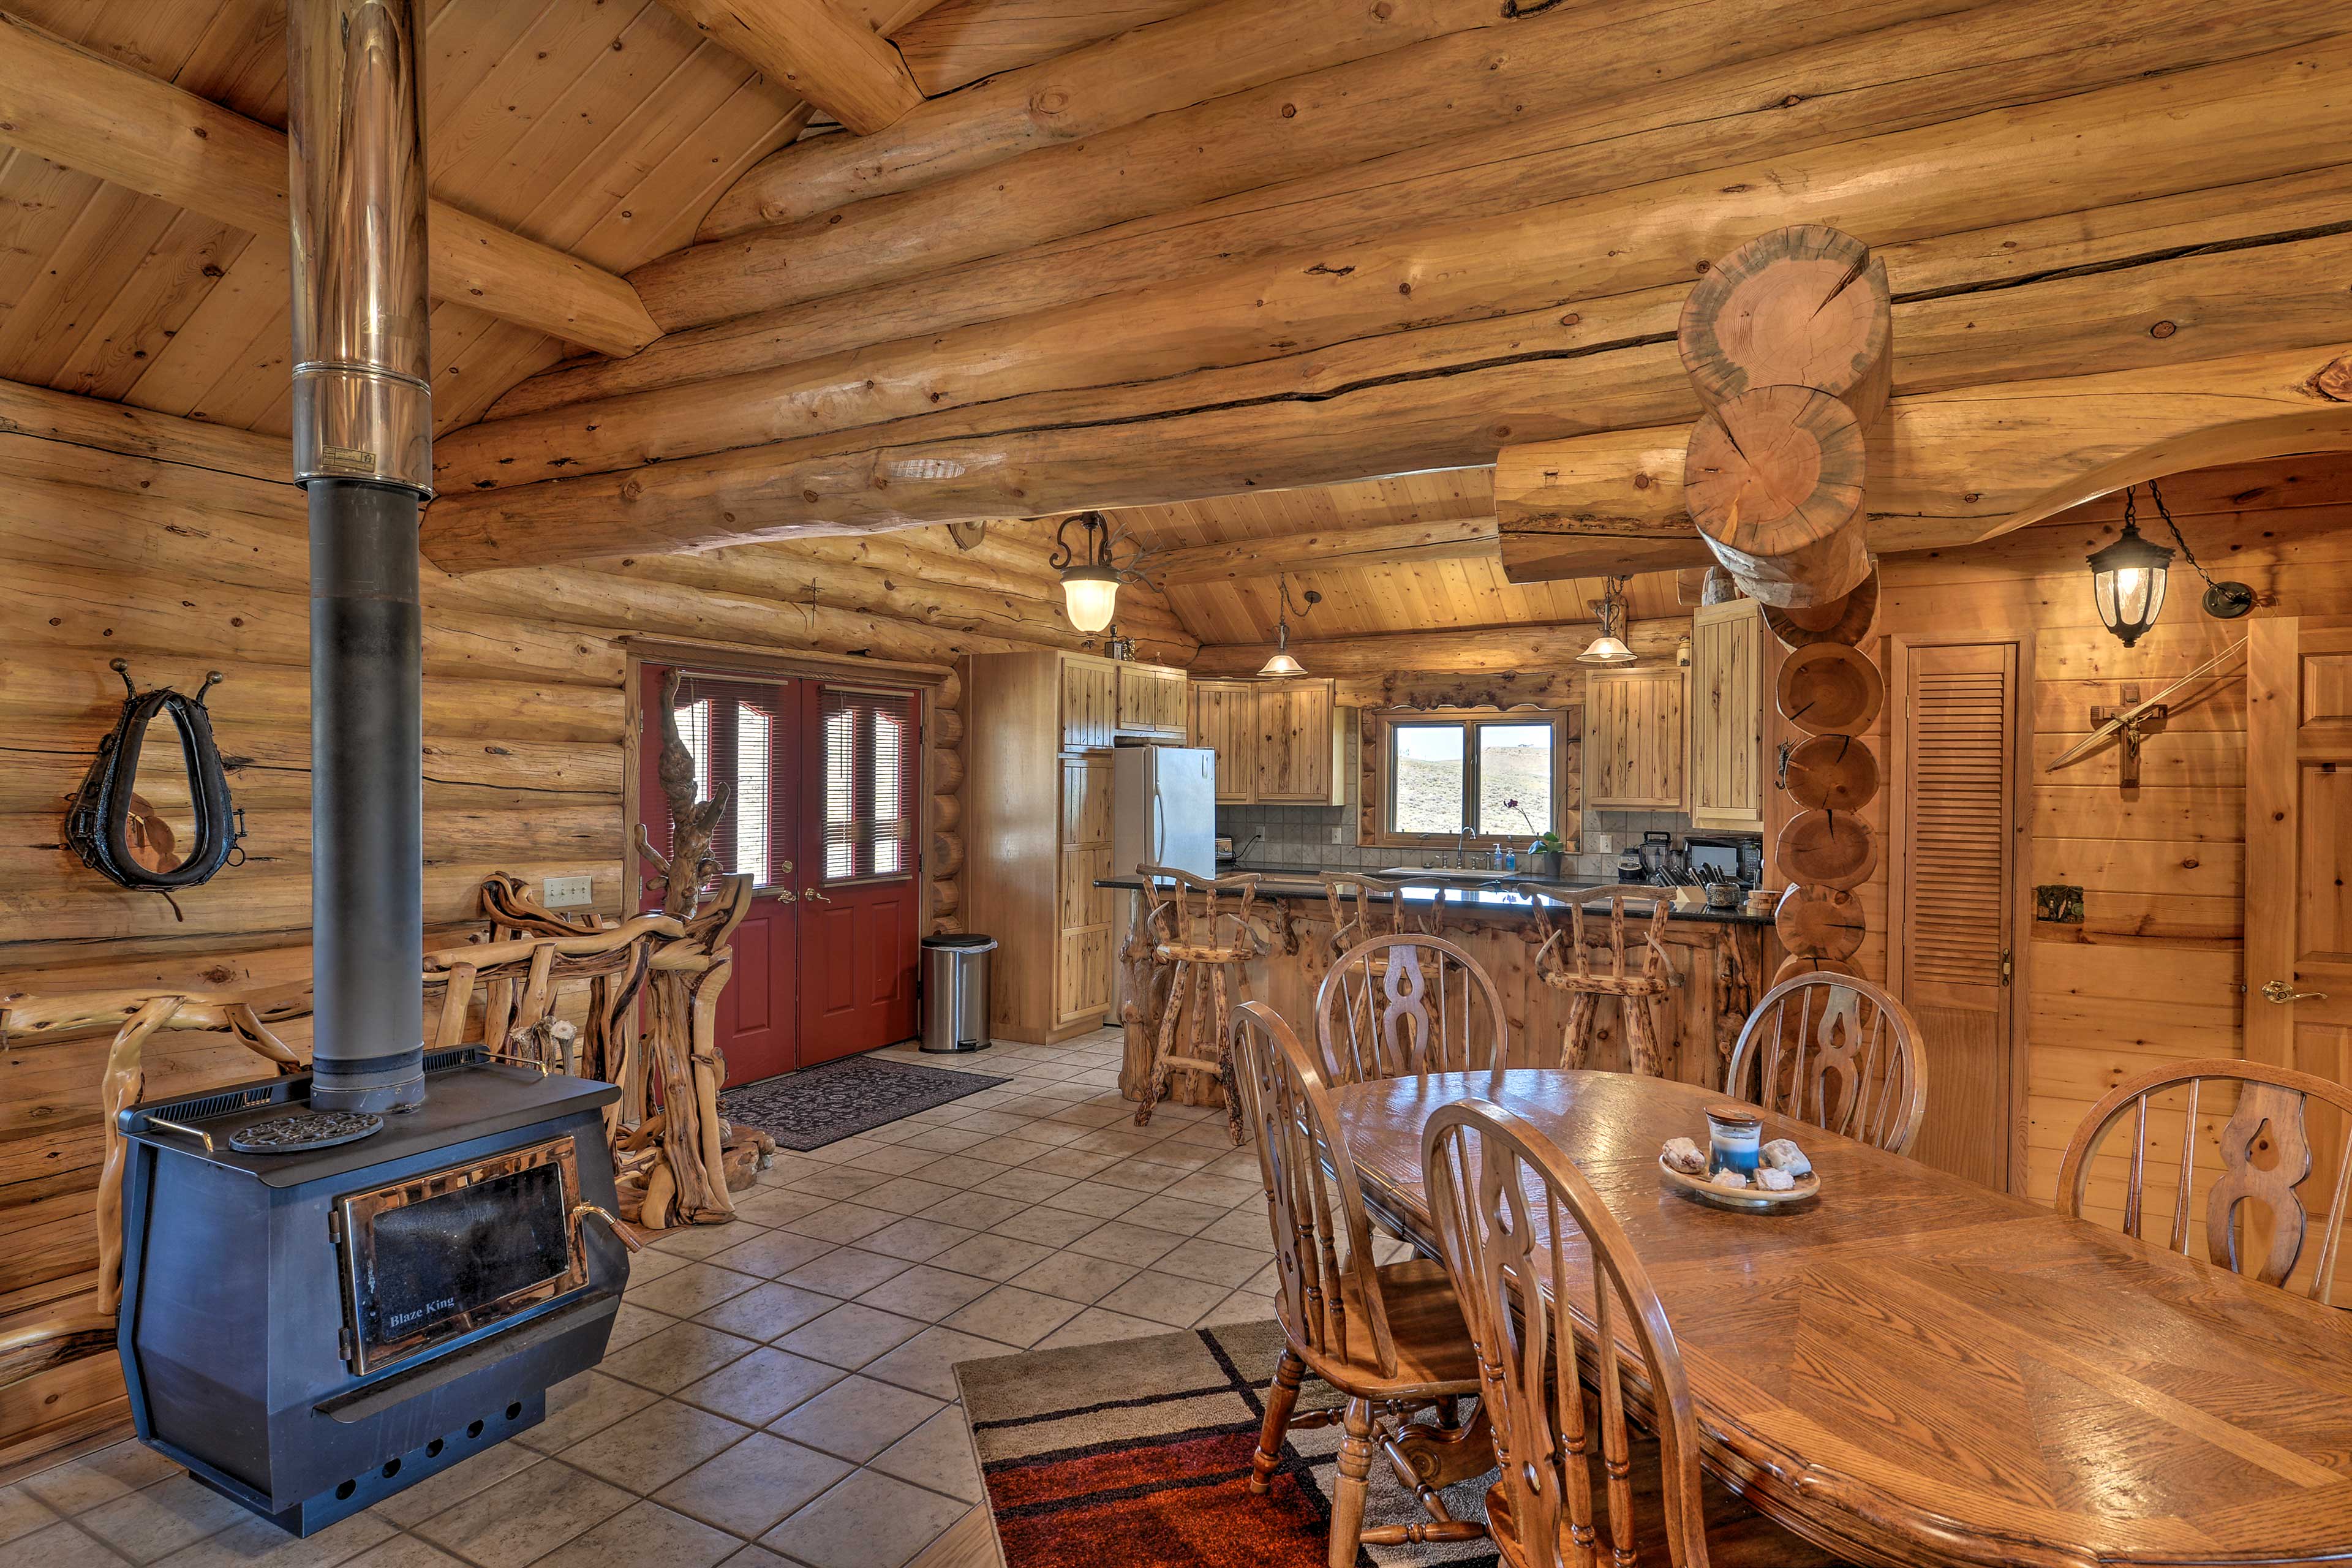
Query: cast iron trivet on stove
point(821, 1105)
point(304, 1129)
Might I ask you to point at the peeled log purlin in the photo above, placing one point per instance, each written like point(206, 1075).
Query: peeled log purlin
point(1214, 51)
point(2248, 120)
point(1379, 426)
point(1774, 480)
point(1801, 306)
point(1979, 59)
point(1462, 84)
point(1949, 466)
point(964, 40)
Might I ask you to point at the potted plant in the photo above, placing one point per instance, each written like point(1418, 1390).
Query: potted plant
point(1543, 855)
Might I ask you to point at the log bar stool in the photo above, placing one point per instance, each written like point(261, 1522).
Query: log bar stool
point(1197, 989)
point(1388, 1338)
point(1635, 992)
point(1838, 1052)
point(1366, 923)
point(1510, 1208)
point(2268, 1122)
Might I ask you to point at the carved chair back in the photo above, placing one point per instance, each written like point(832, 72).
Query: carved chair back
point(1561, 963)
point(1356, 919)
point(1322, 1238)
point(1185, 918)
point(1403, 1007)
point(1839, 1052)
point(1510, 1208)
point(2266, 1158)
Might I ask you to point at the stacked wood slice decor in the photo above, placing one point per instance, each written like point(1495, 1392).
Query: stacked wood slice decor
point(1789, 343)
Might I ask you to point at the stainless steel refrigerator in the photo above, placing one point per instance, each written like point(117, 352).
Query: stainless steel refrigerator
point(1163, 813)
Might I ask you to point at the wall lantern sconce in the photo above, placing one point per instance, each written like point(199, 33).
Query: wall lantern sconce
point(1283, 663)
point(1090, 576)
point(1609, 647)
point(2128, 577)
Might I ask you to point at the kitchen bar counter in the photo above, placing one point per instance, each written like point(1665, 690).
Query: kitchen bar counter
point(1721, 962)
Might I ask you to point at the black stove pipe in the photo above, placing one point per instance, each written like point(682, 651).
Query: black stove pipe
point(362, 450)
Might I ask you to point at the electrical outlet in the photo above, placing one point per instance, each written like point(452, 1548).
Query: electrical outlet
point(1603, 843)
point(568, 892)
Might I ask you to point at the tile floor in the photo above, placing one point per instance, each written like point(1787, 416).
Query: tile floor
point(779, 1389)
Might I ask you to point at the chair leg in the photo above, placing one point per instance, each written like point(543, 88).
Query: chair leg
point(1155, 1082)
point(1281, 1399)
point(1225, 1070)
point(1354, 1484)
point(1641, 1037)
point(1575, 1040)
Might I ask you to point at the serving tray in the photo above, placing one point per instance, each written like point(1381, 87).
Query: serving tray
point(1752, 1200)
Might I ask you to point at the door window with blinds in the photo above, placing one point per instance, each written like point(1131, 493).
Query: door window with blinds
point(740, 734)
point(870, 769)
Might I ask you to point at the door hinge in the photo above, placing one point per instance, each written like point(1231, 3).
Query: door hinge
point(2008, 965)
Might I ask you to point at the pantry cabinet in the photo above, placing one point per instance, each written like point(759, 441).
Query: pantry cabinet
point(1730, 648)
point(1277, 742)
point(1634, 740)
point(1151, 700)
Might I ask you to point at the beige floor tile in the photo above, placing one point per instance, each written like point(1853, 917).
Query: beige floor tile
point(254, 1543)
point(960, 1172)
point(21, 1513)
point(842, 1221)
point(1014, 1316)
point(1076, 1277)
point(61, 1545)
point(654, 1447)
point(645, 1535)
point(579, 1406)
point(857, 1418)
point(1010, 1149)
point(404, 1551)
point(1240, 1165)
point(926, 1363)
point(845, 1271)
point(1047, 1227)
point(753, 1485)
point(907, 1196)
point(850, 1335)
point(1124, 1140)
point(992, 1256)
point(892, 1160)
point(702, 1240)
point(1092, 1116)
point(95, 1477)
point(1218, 1191)
point(526, 1516)
point(946, 1139)
point(770, 1206)
point(648, 1266)
point(669, 1361)
point(1212, 1261)
point(1051, 1133)
point(936, 1456)
point(1074, 1162)
point(1241, 1307)
point(1137, 1176)
point(1181, 1158)
point(633, 1323)
point(916, 1238)
point(695, 1288)
point(869, 1520)
point(991, 1121)
point(843, 1149)
point(1164, 1298)
point(771, 1311)
point(1029, 1186)
point(1243, 1226)
point(1164, 1212)
point(439, 1493)
point(157, 1520)
point(1095, 1326)
point(1124, 1243)
point(1096, 1198)
point(973, 1211)
point(925, 1293)
point(836, 1181)
point(762, 1387)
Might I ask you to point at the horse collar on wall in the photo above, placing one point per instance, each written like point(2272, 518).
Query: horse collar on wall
point(116, 832)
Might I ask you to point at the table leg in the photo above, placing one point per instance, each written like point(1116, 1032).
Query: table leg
point(1437, 1457)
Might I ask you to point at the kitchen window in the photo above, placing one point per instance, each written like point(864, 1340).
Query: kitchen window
point(1499, 775)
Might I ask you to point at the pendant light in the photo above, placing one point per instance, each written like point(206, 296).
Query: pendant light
point(1609, 647)
point(2128, 576)
point(1090, 578)
point(1283, 664)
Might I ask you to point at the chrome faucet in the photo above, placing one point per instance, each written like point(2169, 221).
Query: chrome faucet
point(1461, 850)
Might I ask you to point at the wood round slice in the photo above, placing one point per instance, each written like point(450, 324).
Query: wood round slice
point(1774, 480)
point(1832, 772)
point(1801, 306)
point(1829, 689)
point(1717, 587)
point(1829, 849)
point(1847, 619)
point(1821, 923)
point(1798, 963)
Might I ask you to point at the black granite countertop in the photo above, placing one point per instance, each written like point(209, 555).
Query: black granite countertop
point(1477, 892)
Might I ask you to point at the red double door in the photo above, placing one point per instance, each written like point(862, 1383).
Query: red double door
point(822, 814)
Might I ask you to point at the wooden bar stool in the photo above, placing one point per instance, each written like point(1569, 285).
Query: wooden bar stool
point(1635, 992)
point(1341, 888)
point(1201, 945)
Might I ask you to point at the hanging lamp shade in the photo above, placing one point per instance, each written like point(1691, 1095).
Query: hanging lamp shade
point(1609, 647)
point(1283, 663)
point(1090, 593)
point(1606, 649)
point(2127, 580)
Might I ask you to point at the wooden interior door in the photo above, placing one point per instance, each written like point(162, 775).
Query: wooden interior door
point(746, 732)
point(2298, 1002)
point(860, 895)
point(1959, 829)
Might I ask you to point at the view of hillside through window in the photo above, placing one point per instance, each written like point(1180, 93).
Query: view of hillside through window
point(1434, 767)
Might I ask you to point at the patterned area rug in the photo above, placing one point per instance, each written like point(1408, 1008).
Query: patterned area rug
point(1157, 1475)
point(824, 1104)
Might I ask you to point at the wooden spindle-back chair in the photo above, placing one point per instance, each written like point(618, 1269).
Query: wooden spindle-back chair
point(1564, 963)
point(1383, 1335)
point(1839, 1052)
point(1356, 919)
point(1405, 1007)
point(1189, 930)
point(2268, 1120)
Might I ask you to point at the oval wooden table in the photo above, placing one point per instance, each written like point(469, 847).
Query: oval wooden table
point(1918, 1369)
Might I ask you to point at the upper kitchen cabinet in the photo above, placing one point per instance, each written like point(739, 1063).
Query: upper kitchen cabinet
point(1634, 740)
point(1104, 698)
point(1277, 741)
point(1730, 648)
point(1151, 700)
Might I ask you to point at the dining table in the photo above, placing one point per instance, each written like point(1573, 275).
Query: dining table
point(1912, 1369)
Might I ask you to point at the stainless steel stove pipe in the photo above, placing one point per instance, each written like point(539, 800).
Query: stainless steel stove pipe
point(363, 451)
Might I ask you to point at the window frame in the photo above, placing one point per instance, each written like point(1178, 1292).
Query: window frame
point(1378, 742)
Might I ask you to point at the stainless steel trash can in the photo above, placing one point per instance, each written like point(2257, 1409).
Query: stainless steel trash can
point(955, 993)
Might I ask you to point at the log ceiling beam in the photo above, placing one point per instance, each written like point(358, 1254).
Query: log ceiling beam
point(78, 108)
point(1481, 650)
point(819, 48)
point(1326, 550)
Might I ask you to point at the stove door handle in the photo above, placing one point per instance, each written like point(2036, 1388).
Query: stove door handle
point(581, 1211)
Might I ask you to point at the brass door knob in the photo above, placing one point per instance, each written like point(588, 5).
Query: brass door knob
point(2280, 992)
point(814, 896)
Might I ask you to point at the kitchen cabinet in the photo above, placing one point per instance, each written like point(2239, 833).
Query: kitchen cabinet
point(1277, 742)
point(1151, 700)
point(1634, 740)
point(1089, 701)
point(1730, 648)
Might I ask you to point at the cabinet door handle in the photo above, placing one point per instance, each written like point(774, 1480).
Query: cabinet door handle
point(2280, 992)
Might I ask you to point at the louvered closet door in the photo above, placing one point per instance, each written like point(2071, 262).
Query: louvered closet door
point(1959, 788)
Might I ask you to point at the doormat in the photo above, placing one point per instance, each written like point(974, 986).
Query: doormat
point(824, 1104)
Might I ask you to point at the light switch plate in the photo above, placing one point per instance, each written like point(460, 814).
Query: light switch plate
point(568, 892)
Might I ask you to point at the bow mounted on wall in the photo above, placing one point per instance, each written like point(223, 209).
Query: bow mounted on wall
point(180, 830)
